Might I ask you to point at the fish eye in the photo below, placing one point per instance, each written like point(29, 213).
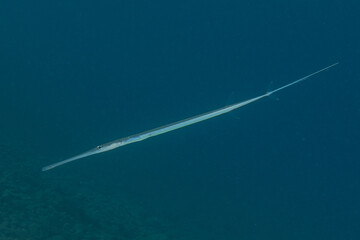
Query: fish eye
point(99, 147)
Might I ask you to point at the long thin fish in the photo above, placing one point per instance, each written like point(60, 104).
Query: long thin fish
point(173, 126)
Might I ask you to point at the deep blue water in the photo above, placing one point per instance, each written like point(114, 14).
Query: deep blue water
point(77, 73)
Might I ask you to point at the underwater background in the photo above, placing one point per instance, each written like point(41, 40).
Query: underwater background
point(76, 74)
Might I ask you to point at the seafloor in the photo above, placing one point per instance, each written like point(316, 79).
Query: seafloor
point(34, 206)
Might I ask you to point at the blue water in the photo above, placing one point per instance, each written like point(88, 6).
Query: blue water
point(76, 74)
